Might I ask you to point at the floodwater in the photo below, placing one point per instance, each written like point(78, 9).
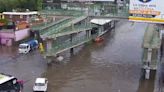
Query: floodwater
point(111, 66)
point(23, 66)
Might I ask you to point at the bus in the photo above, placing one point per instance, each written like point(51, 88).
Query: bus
point(9, 83)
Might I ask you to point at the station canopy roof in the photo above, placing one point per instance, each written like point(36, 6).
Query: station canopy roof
point(100, 21)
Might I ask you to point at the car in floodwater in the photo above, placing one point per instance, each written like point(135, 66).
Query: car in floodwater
point(28, 46)
point(40, 85)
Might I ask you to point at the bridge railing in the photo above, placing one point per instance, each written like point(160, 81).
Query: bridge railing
point(55, 26)
point(64, 45)
point(46, 25)
point(93, 9)
point(61, 26)
point(81, 27)
point(62, 12)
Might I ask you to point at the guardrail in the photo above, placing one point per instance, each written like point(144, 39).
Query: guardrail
point(61, 26)
point(59, 47)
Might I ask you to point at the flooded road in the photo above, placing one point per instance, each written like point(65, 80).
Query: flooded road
point(111, 66)
point(23, 66)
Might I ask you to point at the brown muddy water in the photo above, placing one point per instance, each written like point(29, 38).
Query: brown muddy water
point(111, 66)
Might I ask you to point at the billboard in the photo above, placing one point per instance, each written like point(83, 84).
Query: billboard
point(147, 11)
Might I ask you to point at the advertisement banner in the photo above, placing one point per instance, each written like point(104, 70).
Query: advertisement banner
point(147, 11)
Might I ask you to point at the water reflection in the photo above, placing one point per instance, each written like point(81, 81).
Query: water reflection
point(111, 66)
point(147, 85)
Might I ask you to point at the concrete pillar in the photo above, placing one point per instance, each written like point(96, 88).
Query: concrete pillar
point(99, 30)
point(86, 21)
point(149, 55)
point(49, 44)
point(102, 28)
point(28, 18)
point(72, 25)
point(88, 33)
point(71, 51)
point(71, 40)
point(147, 73)
point(148, 62)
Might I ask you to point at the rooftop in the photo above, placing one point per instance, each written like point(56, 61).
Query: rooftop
point(20, 13)
point(4, 78)
point(40, 80)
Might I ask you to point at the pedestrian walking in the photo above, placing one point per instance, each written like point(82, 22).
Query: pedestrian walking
point(21, 82)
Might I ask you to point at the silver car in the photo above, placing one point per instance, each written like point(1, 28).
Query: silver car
point(40, 85)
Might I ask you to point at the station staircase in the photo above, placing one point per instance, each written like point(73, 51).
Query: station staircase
point(75, 22)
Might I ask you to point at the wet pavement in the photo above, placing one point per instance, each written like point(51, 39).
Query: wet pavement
point(111, 66)
point(160, 72)
point(23, 66)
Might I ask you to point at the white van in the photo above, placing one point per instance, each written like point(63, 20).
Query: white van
point(24, 48)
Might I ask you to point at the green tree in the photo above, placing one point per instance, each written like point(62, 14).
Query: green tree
point(9, 5)
point(39, 4)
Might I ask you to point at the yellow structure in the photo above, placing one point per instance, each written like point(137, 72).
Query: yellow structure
point(41, 48)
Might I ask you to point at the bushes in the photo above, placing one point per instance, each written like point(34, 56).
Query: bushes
point(5, 24)
point(4, 21)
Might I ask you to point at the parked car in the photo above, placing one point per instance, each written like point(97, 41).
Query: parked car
point(40, 85)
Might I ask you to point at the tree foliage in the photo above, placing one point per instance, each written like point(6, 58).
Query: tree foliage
point(5, 21)
point(9, 5)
